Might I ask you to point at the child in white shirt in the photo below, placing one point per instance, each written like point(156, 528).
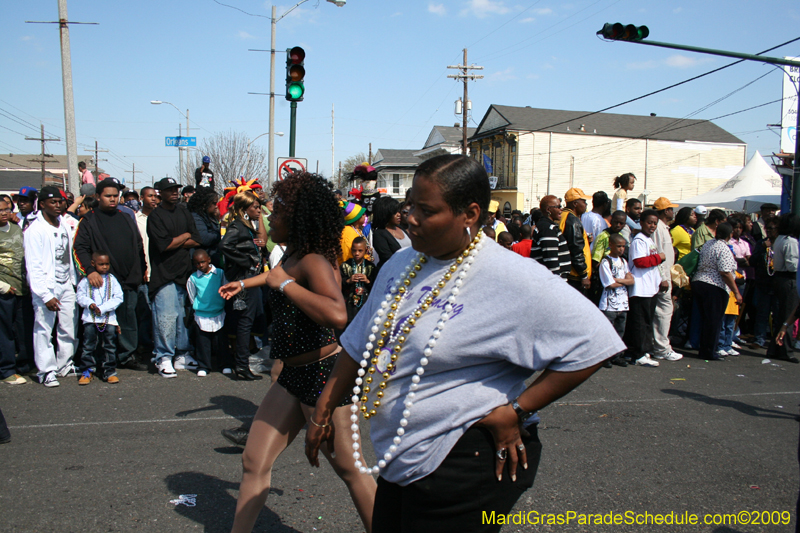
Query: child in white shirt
point(99, 321)
point(615, 277)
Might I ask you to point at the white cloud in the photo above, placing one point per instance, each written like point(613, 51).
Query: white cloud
point(677, 10)
point(26, 38)
point(675, 61)
point(679, 61)
point(503, 75)
point(484, 8)
point(437, 9)
point(244, 35)
point(527, 20)
point(543, 11)
point(398, 14)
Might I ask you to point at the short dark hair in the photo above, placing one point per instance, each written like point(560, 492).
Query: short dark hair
point(723, 232)
point(616, 238)
point(771, 207)
point(619, 214)
point(599, 198)
point(188, 188)
point(359, 240)
point(648, 213)
point(462, 180)
point(144, 190)
point(81, 165)
point(200, 252)
point(526, 231)
point(682, 217)
point(506, 236)
point(716, 215)
point(100, 253)
point(631, 202)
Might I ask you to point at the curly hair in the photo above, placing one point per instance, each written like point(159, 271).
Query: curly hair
point(313, 215)
point(201, 200)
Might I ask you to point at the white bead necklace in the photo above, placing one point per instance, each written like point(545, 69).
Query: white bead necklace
point(390, 310)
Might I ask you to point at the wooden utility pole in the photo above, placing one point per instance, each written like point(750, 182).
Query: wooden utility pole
point(369, 160)
point(43, 159)
point(97, 160)
point(133, 177)
point(465, 76)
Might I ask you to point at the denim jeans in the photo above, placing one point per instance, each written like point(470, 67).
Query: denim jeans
point(617, 319)
point(107, 338)
point(169, 331)
point(726, 333)
point(145, 317)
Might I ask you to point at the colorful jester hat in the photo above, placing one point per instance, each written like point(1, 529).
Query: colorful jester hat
point(366, 173)
point(237, 186)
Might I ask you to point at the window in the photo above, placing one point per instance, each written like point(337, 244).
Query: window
point(395, 184)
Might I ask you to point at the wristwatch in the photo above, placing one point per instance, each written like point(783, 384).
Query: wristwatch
point(521, 413)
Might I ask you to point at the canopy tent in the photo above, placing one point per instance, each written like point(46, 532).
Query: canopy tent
point(757, 183)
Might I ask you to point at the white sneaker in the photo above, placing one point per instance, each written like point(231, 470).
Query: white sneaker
point(670, 356)
point(68, 370)
point(165, 368)
point(734, 345)
point(646, 361)
point(50, 380)
point(732, 352)
point(190, 362)
point(227, 371)
point(201, 373)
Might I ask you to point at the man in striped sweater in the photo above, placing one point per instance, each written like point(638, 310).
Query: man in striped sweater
point(549, 245)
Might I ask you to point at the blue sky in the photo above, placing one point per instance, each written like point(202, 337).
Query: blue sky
point(381, 62)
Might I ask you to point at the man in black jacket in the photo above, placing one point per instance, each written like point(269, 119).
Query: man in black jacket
point(106, 229)
point(577, 241)
point(172, 233)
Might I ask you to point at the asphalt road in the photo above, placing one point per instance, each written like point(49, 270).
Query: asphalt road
point(689, 437)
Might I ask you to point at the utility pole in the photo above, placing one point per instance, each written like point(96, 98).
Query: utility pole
point(97, 160)
point(69, 104)
point(333, 164)
point(43, 160)
point(369, 158)
point(465, 76)
point(180, 155)
point(133, 177)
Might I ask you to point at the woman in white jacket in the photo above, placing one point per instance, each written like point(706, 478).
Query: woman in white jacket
point(51, 276)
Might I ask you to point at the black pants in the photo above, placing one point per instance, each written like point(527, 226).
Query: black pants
point(241, 324)
point(459, 494)
point(206, 343)
point(711, 301)
point(639, 326)
point(784, 288)
point(128, 339)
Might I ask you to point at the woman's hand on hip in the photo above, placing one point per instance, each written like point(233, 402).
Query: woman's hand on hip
point(503, 424)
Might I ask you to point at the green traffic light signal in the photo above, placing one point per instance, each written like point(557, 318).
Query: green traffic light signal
point(618, 32)
point(295, 73)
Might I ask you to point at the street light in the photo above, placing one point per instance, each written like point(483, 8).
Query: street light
point(274, 21)
point(247, 163)
point(180, 152)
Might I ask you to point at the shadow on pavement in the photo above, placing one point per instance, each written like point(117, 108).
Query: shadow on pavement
point(742, 407)
point(214, 506)
point(230, 405)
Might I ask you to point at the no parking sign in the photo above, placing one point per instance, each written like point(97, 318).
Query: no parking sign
point(289, 165)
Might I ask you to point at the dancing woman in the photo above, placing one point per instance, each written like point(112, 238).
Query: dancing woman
point(451, 421)
point(307, 305)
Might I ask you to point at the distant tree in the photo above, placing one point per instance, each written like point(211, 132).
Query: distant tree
point(347, 167)
point(229, 159)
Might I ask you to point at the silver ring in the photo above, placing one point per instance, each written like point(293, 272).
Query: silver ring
point(521, 447)
point(502, 453)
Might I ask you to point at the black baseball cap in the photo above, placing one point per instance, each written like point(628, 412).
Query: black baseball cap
point(166, 183)
point(50, 192)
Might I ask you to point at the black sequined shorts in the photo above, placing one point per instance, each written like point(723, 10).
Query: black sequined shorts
point(306, 382)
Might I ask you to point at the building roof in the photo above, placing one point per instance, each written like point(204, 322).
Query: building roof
point(386, 157)
point(447, 134)
point(13, 180)
point(501, 117)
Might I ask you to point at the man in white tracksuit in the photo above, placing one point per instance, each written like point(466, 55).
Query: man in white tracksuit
point(51, 276)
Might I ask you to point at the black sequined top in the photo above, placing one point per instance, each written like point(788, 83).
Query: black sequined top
point(293, 332)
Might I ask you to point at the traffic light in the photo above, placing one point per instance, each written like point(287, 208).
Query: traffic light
point(295, 72)
point(618, 32)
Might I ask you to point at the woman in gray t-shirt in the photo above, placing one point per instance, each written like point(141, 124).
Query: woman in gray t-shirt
point(441, 382)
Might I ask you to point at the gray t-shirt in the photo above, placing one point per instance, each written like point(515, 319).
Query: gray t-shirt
point(483, 357)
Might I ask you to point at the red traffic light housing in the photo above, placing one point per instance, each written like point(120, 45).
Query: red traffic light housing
point(618, 32)
point(295, 74)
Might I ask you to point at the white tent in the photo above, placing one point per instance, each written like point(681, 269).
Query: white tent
point(757, 183)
